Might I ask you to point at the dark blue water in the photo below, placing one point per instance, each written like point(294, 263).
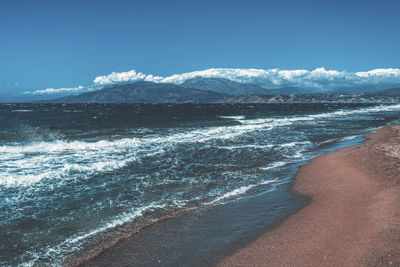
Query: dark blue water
point(71, 173)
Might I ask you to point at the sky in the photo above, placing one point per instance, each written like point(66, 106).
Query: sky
point(67, 44)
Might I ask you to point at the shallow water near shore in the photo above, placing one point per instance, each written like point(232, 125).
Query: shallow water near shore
point(206, 236)
point(71, 173)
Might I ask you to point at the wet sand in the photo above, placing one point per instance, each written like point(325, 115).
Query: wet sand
point(354, 215)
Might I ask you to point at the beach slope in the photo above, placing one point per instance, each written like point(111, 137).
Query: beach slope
point(354, 215)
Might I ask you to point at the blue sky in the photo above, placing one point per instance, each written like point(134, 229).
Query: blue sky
point(69, 43)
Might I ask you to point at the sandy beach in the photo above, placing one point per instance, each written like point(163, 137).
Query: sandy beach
point(354, 215)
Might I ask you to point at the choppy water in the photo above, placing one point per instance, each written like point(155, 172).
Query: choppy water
point(69, 173)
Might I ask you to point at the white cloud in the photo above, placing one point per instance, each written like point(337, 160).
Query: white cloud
point(50, 91)
point(270, 78)
point(123, 77)
point(319, 78)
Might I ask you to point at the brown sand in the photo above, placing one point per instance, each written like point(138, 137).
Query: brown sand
point(354, 215)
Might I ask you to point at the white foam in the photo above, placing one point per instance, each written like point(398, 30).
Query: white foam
point(292, 144)
point(64, 160)
point(22, 110)
point(117, 221)
point(328, 141)
point(65, 146)
point(348, 138)
point(235, 147)
point(342, 113)
point(239, 191)
point(297, 155)
point(275, 165)
point(232, 117)
point(75, 242)
point(269, 146)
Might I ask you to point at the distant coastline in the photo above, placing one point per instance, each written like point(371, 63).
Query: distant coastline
point(207, 90)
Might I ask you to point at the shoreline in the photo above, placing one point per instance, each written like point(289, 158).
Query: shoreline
point(202, 235)
point(158, 244)
point(353, 218)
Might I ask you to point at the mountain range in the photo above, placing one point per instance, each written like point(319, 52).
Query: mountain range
point(145, 92)
point(219, 90)
point(225, 86)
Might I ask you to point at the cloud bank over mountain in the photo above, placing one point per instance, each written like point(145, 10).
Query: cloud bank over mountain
point(271, 78)
point(320, 78)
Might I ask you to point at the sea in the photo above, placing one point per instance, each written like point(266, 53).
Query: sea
point(76, 175)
